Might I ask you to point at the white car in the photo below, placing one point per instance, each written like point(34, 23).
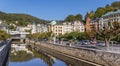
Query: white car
point(101, 44)
point(85, 42)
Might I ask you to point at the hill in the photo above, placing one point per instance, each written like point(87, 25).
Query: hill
point(22, 19)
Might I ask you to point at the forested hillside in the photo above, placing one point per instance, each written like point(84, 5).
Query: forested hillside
point(22, 19)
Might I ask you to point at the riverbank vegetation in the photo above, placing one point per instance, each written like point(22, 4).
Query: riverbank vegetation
point(3, 35)
point(45, 35)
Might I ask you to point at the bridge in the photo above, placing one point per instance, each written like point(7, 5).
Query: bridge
point(18, 40)
point(21, 34)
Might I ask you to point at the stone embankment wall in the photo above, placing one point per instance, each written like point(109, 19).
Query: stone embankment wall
point(96, 56)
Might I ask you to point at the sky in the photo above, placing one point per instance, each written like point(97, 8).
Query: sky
point(52, 9)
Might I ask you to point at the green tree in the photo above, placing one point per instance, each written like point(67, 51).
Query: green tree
point(70, 18)
point(90, 14)
point(78, 17)
point(117, 38)
point(99, 12)
point(3, 35)
point(109, 31)
point(108, 8)
point(116, 4)
point(74, 36)
point(45, 35)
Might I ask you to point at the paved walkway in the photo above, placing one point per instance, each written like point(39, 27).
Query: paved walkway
point(113, 48)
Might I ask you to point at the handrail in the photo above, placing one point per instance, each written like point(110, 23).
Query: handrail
point(5, 52)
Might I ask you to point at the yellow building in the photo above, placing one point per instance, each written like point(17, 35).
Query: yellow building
point(65, 27)
point(55, 28)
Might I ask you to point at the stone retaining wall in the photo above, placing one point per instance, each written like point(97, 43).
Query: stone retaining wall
point(92, 55)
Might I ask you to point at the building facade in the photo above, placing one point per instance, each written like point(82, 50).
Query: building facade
point(87, 25)
point(4, 27)
point(34, 28)
point(57, 29)
point(92, 24)
point(110, 17)
point(78, 26)
point(41, 28)
point(66, 27)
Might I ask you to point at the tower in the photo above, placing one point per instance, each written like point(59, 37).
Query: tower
point(34, 28)
point(87, 26)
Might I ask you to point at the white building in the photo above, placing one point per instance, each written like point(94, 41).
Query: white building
point(34, 28)
point(78, 26)
point(110, 17)
point(23, 29)
point(41, 28)
point(67, 27)
point(4, 27)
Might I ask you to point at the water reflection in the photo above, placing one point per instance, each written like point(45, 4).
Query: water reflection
point(48, 59)
point(22, 55)
point(25, 56)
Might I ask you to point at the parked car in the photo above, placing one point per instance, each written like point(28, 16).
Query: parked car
point(80, 42)
point(85, 42)
point(101, 43)
point(67, 44)
point(93, 42)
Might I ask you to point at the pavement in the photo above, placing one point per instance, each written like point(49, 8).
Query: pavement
point(113, 48)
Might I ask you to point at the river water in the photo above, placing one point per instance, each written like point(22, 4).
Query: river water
point(24, 56)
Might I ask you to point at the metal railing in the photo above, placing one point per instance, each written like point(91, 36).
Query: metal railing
point(4, 52)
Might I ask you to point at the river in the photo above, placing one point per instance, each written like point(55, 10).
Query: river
point(25, 56)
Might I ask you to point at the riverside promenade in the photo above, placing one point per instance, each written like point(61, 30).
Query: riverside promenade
point(96, 56)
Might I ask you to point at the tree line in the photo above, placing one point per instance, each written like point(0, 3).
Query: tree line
point(94, 14)
point(102, 10)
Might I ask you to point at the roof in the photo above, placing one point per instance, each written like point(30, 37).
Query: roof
point(53, 23)
point(110, 13)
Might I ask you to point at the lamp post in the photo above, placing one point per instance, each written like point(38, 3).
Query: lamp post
point(54, 40)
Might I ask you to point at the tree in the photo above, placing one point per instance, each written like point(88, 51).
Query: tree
point(117, 38)
point(90, 15)
point(3, 35)
point(78, 17)
point(70, 18)
point(99, 12)
point(74, 36)
point(116, 4)
point(82, 36)
point(109, 31)
point(91, 34)
point(108, 8)
point(45, 35)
